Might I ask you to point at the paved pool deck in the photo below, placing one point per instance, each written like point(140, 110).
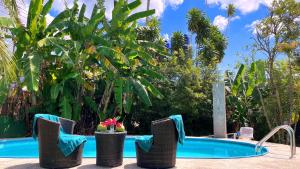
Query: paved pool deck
point(277, 158)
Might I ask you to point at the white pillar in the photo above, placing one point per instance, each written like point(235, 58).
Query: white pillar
point(219, 110)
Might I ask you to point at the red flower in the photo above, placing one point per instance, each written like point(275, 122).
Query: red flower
point(114, 121)
point(110, 122)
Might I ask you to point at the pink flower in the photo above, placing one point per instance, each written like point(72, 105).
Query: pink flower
point(114, 121)
point(110, 122)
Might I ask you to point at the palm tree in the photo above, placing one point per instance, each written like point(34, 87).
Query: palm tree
point(230, 10)
point(148, 7)
point(7, 62)
point(177, 41)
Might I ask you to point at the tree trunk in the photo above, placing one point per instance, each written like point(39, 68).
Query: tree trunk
point(264, 109)
point(274, 90)
point(291, 90)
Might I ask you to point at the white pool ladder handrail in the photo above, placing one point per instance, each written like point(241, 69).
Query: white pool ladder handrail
point(274, 131)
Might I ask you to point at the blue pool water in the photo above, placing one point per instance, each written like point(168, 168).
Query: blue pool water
point(192, 148)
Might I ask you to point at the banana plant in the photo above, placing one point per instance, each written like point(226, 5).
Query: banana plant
point(129, 62)
point(28, 54)
point(110, 48)
point(62, 62)
point(242, 91)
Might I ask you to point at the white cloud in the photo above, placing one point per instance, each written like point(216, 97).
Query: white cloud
point(252, 26)
point(174, 3)
point(234, 18)
point(244, 6)
point(222, 22)
point(166, 37)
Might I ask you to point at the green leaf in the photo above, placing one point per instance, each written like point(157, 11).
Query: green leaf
point(93, 23)
point(118, 92)
point(251, 79)
point(52, 41)
point(71, 75)
point(148, 44)
point(4, 89)
point(76, 112)
point(65, 108)
point(139, 15)
point(32, 72)
point(59, 18)
point(141, 91)
point(54, 91)
point(35, 9)
point(238, 80)
point(128, 97)
point(147, 57)
point(134, 4)
point(81, 13)
point(6, 22)
point(47, 7)
point(116, 58)
point(152, 74)
point(90, 103)
point(260, 72)
point(151, 88)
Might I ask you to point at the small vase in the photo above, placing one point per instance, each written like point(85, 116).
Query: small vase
point(111, 129)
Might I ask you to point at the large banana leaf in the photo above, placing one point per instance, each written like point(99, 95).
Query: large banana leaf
point(260, 72)
point(238, 80)
point(251, 79)
point(133, 5)
point(118, 91)
point(65, 108)
point(32, 71)
point(81, 13)
point(35, 9)
point(64, 15)
point(140, 15)
point(128, 96)
point(46, 9)
point(151, 88)
point(55, 91)
point(141, 91)
point(151, 74)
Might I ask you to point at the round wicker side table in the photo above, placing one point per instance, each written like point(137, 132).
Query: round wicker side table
point(109, 147)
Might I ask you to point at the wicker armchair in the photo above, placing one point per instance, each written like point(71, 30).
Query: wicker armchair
point(50, 155)
point(163, 151)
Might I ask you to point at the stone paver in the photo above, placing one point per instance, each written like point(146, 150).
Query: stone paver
point(277, 158)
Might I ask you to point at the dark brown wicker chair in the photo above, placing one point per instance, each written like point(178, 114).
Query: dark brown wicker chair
point(163, 151)
point(50, 155)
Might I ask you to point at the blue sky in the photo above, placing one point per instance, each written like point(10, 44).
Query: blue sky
point(238, 31)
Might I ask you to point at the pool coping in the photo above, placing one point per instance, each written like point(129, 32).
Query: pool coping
point(277, 158)
point(230, 141)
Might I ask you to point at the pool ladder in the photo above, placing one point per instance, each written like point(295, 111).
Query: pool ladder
point(274, 131)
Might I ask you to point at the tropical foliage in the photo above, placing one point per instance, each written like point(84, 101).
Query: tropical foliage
point(78, 62)
point(89, 68)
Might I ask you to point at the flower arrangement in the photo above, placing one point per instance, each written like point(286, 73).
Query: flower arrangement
point(112, 124)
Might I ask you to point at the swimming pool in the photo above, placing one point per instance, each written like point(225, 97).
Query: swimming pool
point(192, 148)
